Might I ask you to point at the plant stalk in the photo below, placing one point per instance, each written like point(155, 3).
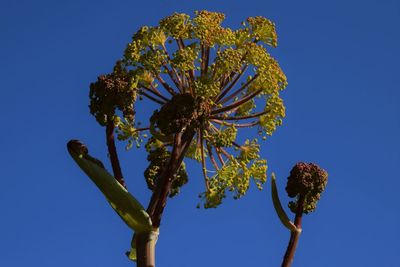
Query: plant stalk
point(145, 244)
point(112, 151)
point(295, 235)
point(145, 249)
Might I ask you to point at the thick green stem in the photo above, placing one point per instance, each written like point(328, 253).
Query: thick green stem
point(294, 236)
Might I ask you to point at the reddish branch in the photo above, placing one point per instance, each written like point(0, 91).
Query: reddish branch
point(159, 197)
point(210, 153)
point(237, 125)
point(152, 98)
point(155, 92)
point(172, 73)
point(244, 86)
point(258, 114)
point(112, 151)
point(227, 89)
point(237, 103)
point(295, 235)
point(165, 85)
point(203, 160)
point(220, 157)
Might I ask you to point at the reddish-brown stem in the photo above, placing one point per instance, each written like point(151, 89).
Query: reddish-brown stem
point(237, 125)
point(178, 82)
point(244, 86)
point(210, 153)
point(202, 56)
point(227, 89)
point(203, 160)
point(159, 197)
point(237, 103)
point(226, 154)
point(207, 59)
point(220, 157)
point(165, 85)
point(172, 73)
point(181, 45)
point(295, 235)
point(155, 92)
point(145, 249)
point(142, 129)
point(151, 98)
point(112, 152)
point(237, 145)
point(258, 114)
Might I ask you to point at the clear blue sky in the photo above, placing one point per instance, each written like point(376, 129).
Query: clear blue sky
point(343, 105)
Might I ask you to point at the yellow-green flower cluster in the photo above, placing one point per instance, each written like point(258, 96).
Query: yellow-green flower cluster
point(206, 79)
point(249, 151)
point(207, 26)
point(263, 30)
point(158, 157)
point(234, 177)
point(177, 25)
point(206, 87)
point(275, 113)
point(126, 131)
point(194, 152)
point(224, 137)
point(246, 108)
point(228, 60)
point(184, 58)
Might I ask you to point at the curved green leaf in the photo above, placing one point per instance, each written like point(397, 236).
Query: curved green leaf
point(278, 207)
point(127, 207)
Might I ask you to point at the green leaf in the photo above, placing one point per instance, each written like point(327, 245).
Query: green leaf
point(278, 207)
point(132, 255)
point(127, 207)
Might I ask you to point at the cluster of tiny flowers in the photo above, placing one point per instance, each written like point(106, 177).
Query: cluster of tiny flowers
point(207, 79)
point(158, 157)
point(307, 181)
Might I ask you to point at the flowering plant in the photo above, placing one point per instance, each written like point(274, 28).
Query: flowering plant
point(207, 82)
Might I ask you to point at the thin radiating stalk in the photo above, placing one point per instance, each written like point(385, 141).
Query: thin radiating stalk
point(244, 86)
point(152, 98)
point(142, 129)
point(226, 154)
point(203, 160)
point(237, 145)
point(173, 69)
point(210, 153)
point(220, 157)
point(207, 58)
point(156, 93)
point(255, 115)
point(152, 87)
point(237, 103)
point(237, 125)
point(172, 73)
point(227, 89)
point(165, 85)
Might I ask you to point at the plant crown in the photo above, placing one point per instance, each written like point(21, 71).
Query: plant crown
point(207, 78)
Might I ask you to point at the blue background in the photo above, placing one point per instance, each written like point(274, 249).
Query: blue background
point(342, 62)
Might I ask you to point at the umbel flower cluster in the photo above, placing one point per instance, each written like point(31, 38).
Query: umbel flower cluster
point(208, 80)
point(306, 181)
